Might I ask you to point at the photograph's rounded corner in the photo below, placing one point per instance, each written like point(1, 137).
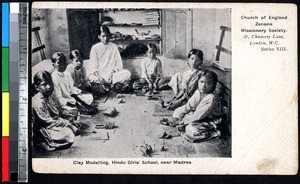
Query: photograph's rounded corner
point(296, 171)
point(294, 5)
point(36, 170)
point(34, 4)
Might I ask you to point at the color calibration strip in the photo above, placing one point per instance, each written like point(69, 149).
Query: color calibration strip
point(5, 94)
point(14, 88)
point(14, 92)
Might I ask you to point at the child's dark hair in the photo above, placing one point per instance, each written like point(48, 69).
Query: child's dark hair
point(58, 56)
point(38, 78)
point(41, 76)
point(211, 76)
point(153, 47)
point(196, 52)
point(75, 53)
point(104, 29)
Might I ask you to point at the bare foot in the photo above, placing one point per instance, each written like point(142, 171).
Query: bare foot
point(162, 103)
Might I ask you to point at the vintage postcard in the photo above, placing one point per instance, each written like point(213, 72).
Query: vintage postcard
point(164, 88)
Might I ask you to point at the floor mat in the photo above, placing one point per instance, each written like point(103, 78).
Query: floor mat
point(159, 111)
point(185, 149)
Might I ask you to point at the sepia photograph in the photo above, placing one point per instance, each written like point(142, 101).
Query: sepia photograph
point(131, 82)
point(164, 88)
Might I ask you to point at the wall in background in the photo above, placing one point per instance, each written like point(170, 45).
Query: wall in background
point(206, 30)
point(53, 33)
point(39, 18)
point(177, 33)
point(223, 18)
point(204, 34)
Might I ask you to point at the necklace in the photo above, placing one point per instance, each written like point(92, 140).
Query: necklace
point(61, 74)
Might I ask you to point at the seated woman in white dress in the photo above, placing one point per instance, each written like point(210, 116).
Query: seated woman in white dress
point(106, 64)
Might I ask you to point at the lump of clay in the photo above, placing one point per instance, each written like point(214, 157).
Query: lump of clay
point(111, 112)
point(146, 150)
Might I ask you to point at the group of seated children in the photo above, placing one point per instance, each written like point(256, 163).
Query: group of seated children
point(71, 89)
point(60, 98)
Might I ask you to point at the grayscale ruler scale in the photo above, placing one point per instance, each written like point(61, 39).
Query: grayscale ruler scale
point(14, 90)
point(23, 94)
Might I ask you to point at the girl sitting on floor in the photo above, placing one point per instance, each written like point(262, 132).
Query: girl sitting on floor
point(151, 68)
point(200, 116)
point(106, 66)
point(53, 126)
point(79, 76)
point(77, 70)
point(185, 84)
point(64, 89)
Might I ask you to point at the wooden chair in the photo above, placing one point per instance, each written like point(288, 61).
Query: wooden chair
point(40, 46)
point(224, 84)
point(217, 63)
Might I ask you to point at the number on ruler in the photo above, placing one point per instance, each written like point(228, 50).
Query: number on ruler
point(24, 149)
point(23, 92)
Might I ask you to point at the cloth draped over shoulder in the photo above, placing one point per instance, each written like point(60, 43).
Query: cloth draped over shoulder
point(192, 83)
point(186, 81)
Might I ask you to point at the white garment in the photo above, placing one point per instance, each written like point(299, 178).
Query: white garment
point(78, 76)
point(198, 107)
point(64, 88)
point(120, 76)
point(105, 59)
point(151, 67)
point(179, 80)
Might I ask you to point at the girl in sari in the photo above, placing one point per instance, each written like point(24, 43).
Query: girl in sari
point(184, 84)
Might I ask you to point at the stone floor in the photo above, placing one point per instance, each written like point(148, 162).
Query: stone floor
point(135, 126)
